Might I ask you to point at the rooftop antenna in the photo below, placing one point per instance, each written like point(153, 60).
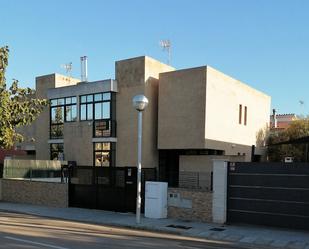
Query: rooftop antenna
point(166, 46)
point(68, 68)
point(302, 105)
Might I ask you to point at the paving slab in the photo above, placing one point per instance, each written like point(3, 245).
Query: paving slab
point(248, 239)
point(263, 241)
point(297, 245)
point(279, 243)
point(233, 238)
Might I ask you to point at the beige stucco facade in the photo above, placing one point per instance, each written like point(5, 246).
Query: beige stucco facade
point(223, 97)
point(189, 109)
point(43, 83)
point(137, 76)
point(199, 109)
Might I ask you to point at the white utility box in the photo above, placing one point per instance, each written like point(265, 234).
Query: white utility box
point(156, 200)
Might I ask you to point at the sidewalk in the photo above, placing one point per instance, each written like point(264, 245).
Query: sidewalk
point(257, 237)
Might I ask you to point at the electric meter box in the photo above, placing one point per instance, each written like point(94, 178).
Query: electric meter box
point(156, 200)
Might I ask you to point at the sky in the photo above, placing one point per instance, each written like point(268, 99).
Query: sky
point(263, 43)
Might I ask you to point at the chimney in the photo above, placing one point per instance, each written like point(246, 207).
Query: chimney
point(83, 68)
point(274, 118)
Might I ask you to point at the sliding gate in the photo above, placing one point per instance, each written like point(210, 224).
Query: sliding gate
point(275, 194)
point(105, 188)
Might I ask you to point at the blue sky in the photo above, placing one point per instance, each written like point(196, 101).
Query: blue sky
point(264, 43)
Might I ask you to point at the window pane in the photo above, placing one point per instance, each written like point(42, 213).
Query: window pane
point(68, 100)
point(98, 111)
point(106, 129)
point(54, 155)
point(106, 96)
point(89, 111)
point(54, 146)
point(60, 101)
point(98, 146)
point(106, 146)
point(106, 110)
point(73, 113)
point(89, 98)
point(73, 100)
point(98, 97)
point(57, 114)
point(102, 128)
point(53, 115)
point(53, 102)
point(83, 99)
point(83, 112)
point(105, 159)
point(56, 131)
point(68, 113)
point(60, 147)
point(98, 159)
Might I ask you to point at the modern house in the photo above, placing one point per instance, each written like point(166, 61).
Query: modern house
point(193, 115)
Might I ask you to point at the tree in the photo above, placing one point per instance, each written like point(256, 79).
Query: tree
point(18, 107)
point(297, 129)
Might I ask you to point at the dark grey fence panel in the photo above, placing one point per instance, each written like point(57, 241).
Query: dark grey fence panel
point(275, 194)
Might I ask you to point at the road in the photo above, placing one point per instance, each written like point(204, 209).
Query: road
point(32, 232)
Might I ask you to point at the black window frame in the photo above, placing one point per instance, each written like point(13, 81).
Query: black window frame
point(112, 117)
point(86, 103)
point(70, 105)
point(100, 98)
point(112, 153)
point(60, 103)
point(57, 124)
point(57, 151)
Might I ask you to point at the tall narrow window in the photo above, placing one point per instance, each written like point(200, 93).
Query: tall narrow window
point(240, 114)
point(56, 118)
point(104, 115)
point(70, 109)
point(245, 121)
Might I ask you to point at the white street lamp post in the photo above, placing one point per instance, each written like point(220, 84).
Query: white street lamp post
point(140, 102)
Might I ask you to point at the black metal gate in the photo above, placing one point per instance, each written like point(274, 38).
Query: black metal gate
point(275, 194)
point(105, 188)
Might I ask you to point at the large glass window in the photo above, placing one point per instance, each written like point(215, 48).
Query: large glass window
point(104, 154)
point(61, 110)
point(56, 152)
point(99, 107)
point(95, 106)
point(86, 107)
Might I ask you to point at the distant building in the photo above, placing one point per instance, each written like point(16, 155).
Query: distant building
point(11, 153)
point(281, 121)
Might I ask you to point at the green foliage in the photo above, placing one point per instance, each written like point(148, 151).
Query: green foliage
point(18, 107)
point(297, 129)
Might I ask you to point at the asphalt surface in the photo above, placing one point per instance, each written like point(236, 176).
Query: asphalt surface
point(28, 231)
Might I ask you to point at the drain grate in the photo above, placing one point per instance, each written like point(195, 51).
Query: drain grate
point(217, 229)
point(179, 226)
